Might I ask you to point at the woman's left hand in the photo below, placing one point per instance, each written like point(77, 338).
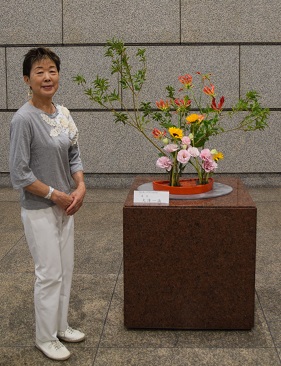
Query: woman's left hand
point(78, 197)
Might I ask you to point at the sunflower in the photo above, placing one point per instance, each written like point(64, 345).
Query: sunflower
point(175, 132)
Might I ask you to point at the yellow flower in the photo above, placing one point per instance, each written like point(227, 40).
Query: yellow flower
point(194, 118)
point(176, 132)
point(218, 156)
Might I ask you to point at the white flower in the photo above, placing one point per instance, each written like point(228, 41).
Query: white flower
point(48, 120)
point(54, 132)
point(64, 122)
point(193, 151)
point(65, 111)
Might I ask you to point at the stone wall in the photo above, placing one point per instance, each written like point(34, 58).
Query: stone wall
point(238, 41)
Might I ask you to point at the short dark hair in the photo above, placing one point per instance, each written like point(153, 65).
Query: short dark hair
point(38, 54)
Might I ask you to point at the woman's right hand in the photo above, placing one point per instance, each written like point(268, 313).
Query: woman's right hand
point(61, 199)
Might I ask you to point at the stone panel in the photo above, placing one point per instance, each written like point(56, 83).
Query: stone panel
point(5, 119)
point(88, 61)
point(261, 71)
point(29, 21)
point(2, 79)
point(231, 21)
point(133, 21)
point(110, 148)
point(250, 152)
point(165, 64)
point(16, 88)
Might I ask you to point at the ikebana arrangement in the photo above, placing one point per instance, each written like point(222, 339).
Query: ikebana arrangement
point(179, 125)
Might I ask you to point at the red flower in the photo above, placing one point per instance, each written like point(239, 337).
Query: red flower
point(209, 90)
point(182, 102)
point(218, 107)
point(186, 80)
point(163, 104)
point(158, 134)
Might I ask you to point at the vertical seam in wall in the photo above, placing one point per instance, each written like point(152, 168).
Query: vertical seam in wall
point(180, 19)
point(118, 81)
point(6, 75)
point(62, 33)
point(239, 70)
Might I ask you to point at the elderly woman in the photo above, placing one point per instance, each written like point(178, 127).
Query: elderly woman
point(44, 158)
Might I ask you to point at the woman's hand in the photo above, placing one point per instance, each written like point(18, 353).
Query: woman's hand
point(71, 203)
point(61, 199)
point(41, 189)
point(77, 199)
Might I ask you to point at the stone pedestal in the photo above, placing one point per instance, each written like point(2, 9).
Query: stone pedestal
point(191, 264)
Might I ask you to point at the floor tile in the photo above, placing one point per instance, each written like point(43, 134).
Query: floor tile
point(8, 240)
point(106, 195)
point(10, 219)
point(97, 214)
point(99, 251)
point(17, 310)
point(265, 194)
point(268, 215)
point(89, 303)
point(31, 356)
point(270, 299)
point(189, 357)
point(18, 259)
point(268, 258)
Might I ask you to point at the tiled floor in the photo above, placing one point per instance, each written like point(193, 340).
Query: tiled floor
point(97, 295)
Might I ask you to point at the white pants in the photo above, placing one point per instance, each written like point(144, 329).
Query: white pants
point(50, 236)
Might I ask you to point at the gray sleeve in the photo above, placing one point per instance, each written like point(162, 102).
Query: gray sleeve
point(75, 162)
point(20, 139)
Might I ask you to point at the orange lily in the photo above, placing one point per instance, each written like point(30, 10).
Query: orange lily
point(209, 90)
point(182, 102)
point(158, 134)
point(163, 105)
point(186, 80)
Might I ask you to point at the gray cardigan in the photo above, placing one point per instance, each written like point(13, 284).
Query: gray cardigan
point(43, 147)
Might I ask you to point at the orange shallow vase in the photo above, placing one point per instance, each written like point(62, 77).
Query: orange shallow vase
point(187, 186)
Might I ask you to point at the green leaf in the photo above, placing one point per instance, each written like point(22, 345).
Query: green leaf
point(141, 54)
point(171, 92)
point(120, 117)
point(79, 79)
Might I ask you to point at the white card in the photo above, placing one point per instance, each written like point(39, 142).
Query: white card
point(151, 197)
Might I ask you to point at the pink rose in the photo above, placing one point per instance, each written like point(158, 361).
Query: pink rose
point(183, 156)
point(186, 140)
point(209, 165)
point(206, 154)
point(193, 151)
point(171, 148)
point(164, 163)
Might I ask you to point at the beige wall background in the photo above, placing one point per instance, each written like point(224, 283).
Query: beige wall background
point(238, 41)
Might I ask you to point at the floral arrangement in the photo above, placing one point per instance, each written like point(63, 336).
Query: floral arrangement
point(177, 126)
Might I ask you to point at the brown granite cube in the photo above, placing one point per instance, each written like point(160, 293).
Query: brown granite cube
point(191, 264)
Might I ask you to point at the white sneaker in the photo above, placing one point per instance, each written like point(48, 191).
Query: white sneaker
point(71, 335)
point(53, 349)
